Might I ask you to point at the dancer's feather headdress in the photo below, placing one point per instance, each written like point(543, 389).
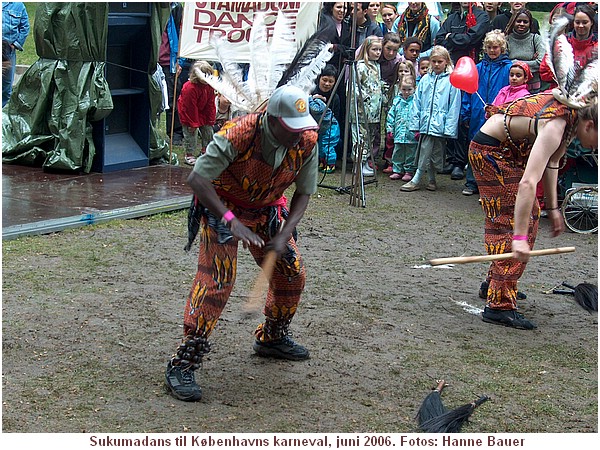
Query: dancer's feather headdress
point(270, 65)
point(575, 83)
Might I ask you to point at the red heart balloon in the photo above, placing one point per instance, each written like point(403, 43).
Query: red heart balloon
point(465, 76)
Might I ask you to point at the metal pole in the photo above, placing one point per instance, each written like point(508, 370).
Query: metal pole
point(348, 92)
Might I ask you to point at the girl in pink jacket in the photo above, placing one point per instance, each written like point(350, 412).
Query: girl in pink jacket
point(518, 77)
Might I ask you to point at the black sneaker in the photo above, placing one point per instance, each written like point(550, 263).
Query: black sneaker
point(457, 174)
point(181, 383)
point(484, 288)
point(509, 318)
point(284, 348)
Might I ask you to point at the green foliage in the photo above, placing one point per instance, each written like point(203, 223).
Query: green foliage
point(538, 9)
point(28, 56)
point(542, 18)
point(541, 6)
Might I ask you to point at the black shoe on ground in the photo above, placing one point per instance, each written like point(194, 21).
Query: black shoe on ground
point(509, 318)
point(484, 288)
point(181, 383)
point(457, 174)
point(284, 348)
point(447, 170)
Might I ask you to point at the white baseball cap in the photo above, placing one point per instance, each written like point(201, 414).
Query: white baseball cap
point(290, 105)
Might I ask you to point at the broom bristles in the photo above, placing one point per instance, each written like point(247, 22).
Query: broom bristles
point(432, 406)
point(452, 421)
point(586, 294)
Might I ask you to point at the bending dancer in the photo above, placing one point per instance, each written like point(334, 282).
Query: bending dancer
point(522, 142)
point(239, 183)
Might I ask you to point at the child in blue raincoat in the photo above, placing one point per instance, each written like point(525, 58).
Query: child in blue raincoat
point(398, 120)
point(329, 130)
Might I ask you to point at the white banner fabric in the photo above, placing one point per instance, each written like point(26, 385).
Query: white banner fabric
point(201, 20)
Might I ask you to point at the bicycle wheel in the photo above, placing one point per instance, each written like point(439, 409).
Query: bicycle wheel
point(580, 209)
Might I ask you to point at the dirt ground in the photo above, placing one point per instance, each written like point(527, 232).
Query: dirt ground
point(90, 317)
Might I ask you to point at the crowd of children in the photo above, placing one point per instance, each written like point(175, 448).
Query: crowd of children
point(404, 111)
point(421, 112)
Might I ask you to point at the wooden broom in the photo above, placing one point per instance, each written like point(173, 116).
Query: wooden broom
point(483, 258)
point(255, 298)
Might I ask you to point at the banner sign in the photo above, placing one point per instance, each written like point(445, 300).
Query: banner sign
point(233, 20)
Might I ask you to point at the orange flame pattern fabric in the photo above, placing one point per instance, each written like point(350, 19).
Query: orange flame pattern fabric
point(250, 189)
point(498, 182)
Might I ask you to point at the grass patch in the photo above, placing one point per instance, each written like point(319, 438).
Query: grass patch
point(28, 56)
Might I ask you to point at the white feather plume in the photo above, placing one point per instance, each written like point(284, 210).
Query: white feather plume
point(283, 48)
point(271, 64)
point(587, 81)
point(230, 91)
point(575, 83)
point(258, 73)
point(306, 77)
point(231, 69)
point(560, 55)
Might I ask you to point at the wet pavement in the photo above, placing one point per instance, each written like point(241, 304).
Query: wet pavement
point(36, 202)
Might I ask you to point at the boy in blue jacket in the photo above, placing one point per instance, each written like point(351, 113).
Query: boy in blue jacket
point(493, 72)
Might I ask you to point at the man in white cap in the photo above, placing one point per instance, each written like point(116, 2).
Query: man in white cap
point(239, 186)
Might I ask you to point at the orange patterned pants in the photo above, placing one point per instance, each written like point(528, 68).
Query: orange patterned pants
point(498, 181)
point(214, 281)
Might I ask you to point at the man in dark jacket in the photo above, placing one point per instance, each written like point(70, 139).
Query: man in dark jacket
point(462, 34)
point(463, 31)
point(364, 25)
point(346, 48)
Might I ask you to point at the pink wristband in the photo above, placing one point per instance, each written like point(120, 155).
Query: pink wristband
point(228, 216)
point(519, 237)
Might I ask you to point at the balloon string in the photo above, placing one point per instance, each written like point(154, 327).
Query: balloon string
point(480, 98)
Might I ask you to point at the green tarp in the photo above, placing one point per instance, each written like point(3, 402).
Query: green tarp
point(47, 121)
